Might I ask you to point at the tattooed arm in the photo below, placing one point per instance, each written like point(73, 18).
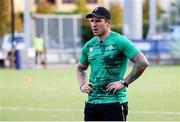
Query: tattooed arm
point(140, 64)
point(85, 87)
point(81, 73)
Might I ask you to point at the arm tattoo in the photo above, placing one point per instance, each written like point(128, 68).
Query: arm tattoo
point(140, 64)
point(81, 73)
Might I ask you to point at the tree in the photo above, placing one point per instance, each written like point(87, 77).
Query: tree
point(18, 22)
point(86, 29)
point(5, 23)
point(45, 7)
point(12, 20)
point(81, 7)
point(146, 10)
point(145, 18)
point(117, 16)
point(159, 10)
point(116, 13)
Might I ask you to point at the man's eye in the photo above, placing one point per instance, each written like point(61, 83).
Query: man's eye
point(98, 20)
point(95, 20)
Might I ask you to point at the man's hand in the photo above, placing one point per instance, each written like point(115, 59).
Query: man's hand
point(86, 87)
point(115, 86)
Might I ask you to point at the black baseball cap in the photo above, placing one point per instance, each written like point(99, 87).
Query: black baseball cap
point(101, 12)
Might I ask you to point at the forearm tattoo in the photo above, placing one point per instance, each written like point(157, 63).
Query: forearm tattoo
point(81, 73)
point(140, 64)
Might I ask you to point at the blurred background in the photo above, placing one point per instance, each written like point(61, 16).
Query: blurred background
point(40, 43)
point(153, 25)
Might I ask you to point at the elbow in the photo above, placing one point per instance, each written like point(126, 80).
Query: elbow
point(146, 64)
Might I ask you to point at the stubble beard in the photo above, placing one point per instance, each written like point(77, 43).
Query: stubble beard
point(100, 34)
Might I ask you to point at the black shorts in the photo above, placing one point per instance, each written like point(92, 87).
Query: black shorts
point(105, 112)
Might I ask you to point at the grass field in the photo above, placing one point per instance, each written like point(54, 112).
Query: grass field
point(53, 95)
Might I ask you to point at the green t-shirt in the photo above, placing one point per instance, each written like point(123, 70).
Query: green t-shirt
point(108, 62)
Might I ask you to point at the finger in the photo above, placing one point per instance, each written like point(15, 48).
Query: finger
point(90, 89)
point(90, 84)
point(114, 91)
point(110, 88)
point(109, 85)
point(85, 90)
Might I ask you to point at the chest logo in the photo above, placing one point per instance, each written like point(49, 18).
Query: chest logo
point(110, 47)
point(90, 49)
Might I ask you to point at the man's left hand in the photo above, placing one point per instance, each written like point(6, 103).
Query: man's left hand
point(115, 86)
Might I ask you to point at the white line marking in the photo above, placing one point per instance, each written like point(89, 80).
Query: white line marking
point(31, 88)
point(66, 109)
point(38, 109)
point(78, 110)
point(155, 112)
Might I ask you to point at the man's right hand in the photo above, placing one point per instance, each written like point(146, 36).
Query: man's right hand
point(86, 88)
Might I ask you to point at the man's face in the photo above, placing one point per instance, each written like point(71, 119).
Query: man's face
point(99, 25)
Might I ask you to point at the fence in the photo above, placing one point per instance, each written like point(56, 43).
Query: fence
point(160, 51)
point(62, 34)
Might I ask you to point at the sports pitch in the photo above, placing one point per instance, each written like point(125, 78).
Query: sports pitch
point(53, 95)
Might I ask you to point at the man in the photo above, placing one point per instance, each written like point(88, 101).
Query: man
point(107, 54)
point(39, 46)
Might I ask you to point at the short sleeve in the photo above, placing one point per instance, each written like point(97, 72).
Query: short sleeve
point(84, 57)
point(130, 50)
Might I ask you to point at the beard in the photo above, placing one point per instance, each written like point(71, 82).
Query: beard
point(99, 33)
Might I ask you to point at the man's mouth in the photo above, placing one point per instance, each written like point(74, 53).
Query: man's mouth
point(95, 30)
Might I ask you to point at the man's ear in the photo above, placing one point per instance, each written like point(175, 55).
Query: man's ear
point(109, 23)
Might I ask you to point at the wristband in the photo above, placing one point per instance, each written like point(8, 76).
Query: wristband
point(124, 83)
point(81, 85)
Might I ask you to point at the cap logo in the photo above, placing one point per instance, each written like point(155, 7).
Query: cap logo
point(96, 9)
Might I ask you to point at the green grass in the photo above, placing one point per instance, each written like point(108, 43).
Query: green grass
point(53, 95)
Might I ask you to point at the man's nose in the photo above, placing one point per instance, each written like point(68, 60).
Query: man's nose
point(94, 24)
